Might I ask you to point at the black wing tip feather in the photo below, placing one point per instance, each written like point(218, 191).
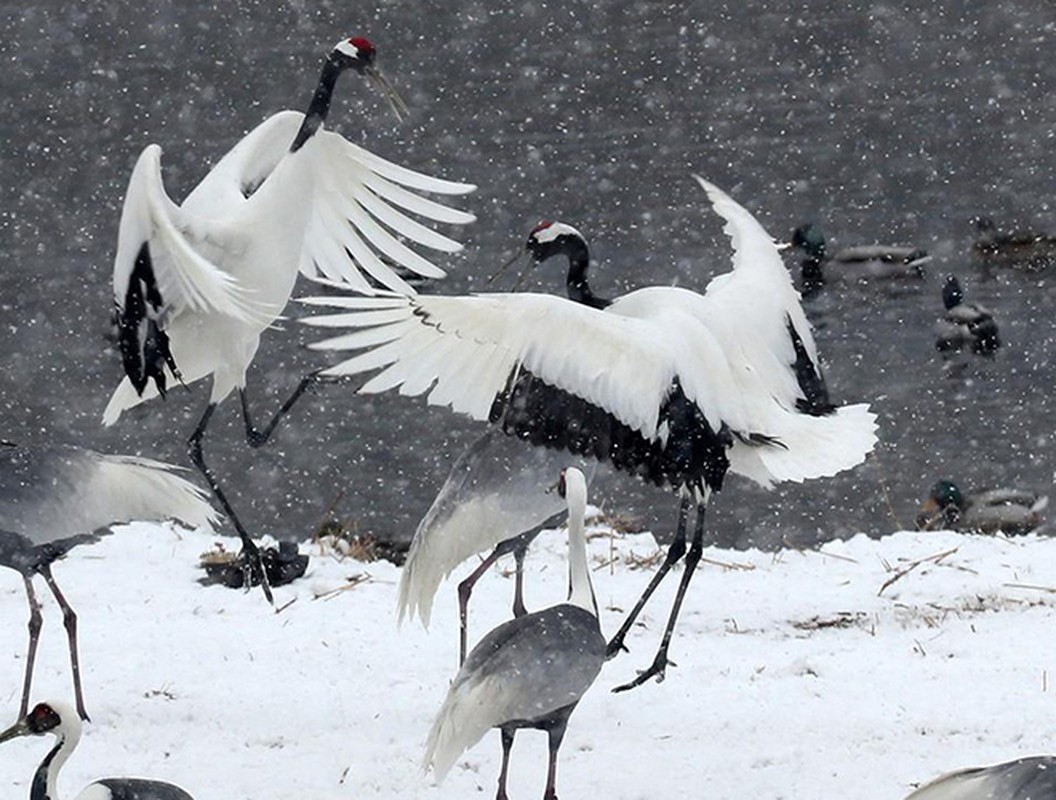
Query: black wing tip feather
point(143, 343)
point(815, 400)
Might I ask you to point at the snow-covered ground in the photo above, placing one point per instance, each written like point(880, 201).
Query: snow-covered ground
point(854, 671)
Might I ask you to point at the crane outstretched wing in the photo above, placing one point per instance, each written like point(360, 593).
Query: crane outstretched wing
point(556, 373)
point(360, 225)
point(157, 254)
point(159, 272)
point(466, 351)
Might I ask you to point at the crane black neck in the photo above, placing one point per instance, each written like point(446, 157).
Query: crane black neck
point(576, 285)
point(38, 790)
point(319, 108)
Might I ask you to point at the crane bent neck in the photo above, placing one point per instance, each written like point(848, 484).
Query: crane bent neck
point(579, 290)
point(46, 778)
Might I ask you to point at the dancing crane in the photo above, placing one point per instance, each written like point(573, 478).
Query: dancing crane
point(667, 384)
point(196, 284)
point(531, 671)
point(54, 498)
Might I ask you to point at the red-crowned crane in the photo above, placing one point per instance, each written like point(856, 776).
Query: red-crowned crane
point(668, 384)
point(196, 284)
point(60, 721)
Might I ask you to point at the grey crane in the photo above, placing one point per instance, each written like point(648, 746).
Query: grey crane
point(63, 723)
point(1032, 778)
point(498, 496)
point(531, 671)
point(53, 498)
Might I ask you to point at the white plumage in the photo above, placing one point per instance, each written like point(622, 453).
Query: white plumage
point(1031, 778)
point(55, 498)
point(224, 261)
point(58, 719)
point(196, 284)
point(668, 384)
point(528, 672)
point(730, 350)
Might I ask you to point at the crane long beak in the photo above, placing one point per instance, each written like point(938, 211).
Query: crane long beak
point(509, 263)
point(20, 728)
point(399, 107)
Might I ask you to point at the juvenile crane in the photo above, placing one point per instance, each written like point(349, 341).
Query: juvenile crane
point(55, 498)
point(196, 284)
point(667, 384)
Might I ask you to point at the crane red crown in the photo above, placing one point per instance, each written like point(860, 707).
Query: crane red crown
point(365, 46)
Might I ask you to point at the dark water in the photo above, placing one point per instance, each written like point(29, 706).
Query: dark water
point(882, 121)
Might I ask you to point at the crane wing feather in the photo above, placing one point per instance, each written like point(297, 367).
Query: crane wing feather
point(362, 202)
point(617, 363)
point(184, 277)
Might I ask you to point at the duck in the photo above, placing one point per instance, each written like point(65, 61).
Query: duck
point(859, 263)
point(1009, 511)
point(965, 324)
point(1024, 248)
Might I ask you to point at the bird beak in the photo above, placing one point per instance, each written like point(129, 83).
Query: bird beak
point(929, 515)
point(20, 728)
point(509, 263)
point(389, 91)
point(783, 245)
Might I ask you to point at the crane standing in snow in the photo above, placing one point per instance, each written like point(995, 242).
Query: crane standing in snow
point(60, 721)
point(55, 498)
point(1031, 778)
point(531, 671)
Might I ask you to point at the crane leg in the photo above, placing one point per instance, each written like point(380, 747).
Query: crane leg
point(518, 545)
point(675, 551)
point(659, 666)
point(507, 746)
point(35, 623)
point(250, 551)
point(257, 437)
point(465, 589)
point(518, 590)
point(556, 735)
point(69, 620)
